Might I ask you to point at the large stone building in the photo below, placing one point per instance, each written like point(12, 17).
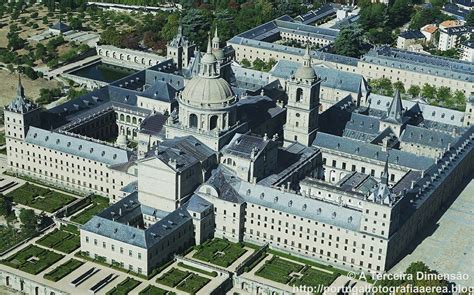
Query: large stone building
point(265, 42)
point(303, 159)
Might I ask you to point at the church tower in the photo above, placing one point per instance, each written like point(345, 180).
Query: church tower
point(20, 114)
point(303, 104)
point(180, 49)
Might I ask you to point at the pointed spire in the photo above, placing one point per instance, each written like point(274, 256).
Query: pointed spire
point(209, 46)
point(384, 176)
point(307, 56)
point(180, 27)
point(215, 33)
point(20, 91)
point(395, 111)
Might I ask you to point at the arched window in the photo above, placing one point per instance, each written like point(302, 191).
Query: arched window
point(193, 121)
point(213, 122)
point(127, 119)
point(299, 94)
point(134, 120)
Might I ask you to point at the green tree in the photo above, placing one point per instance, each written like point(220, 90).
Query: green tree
point(382, 86)
point(349, 42)
point(5, 206)
point(399, 86)
point(373, 16)
point(428, 91)
point(414, 90)
point(246, 63)
point(399, 13)
point(29, 220)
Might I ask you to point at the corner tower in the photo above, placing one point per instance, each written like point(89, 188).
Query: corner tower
point(20, 114)
point(302, 110)
point(180, 49)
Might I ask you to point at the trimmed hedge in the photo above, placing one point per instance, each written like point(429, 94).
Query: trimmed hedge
point(124, 287)
point(63, 270)
point(209, 252)
point(40, 198)
point(173, 277)
point(60, 240)
point(193, 283)
point(98, 205)
point(278, 270)
point(152, 290)
point(33, 259)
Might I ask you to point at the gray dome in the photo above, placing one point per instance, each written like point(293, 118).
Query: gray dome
point(204, 92)
point(305, 73)
point(208, 58)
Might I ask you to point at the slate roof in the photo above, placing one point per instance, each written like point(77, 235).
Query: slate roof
point(197, 204)
point(222, 181)
point(362, 127)
point(427, 137)
point(20, 104)
point(469, 43)
point(330, 78)
point(453, 9)
point(104, 225)
point(418, 62)
point(432, 113)
point(317, 55)
point(153, 124)
point(412, 34)
point(354, 148)
point(315, 15)
point(359, 182)
point(242, 145)
point(77, 146)
point(181, 153)
point(60, 26)
point(306, 30)
point(298, 205)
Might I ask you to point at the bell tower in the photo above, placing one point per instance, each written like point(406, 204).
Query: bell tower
point(302, 110)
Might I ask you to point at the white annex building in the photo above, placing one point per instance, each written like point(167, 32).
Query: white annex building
point(302, 158)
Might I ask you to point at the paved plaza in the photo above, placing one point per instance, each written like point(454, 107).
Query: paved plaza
point(450, 248)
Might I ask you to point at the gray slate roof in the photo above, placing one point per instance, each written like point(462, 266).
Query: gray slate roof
point(418, 62)
point(331, 78)
point(298, 205)
point(77, 146)
point(412, 34)
point(427, 137)
point(117, 229)
point(355, 148)
point(197, 204)
point(242, 145)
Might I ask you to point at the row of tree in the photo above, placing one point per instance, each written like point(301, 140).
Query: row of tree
point(440, 96)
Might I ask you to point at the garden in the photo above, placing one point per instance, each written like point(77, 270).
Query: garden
point(11, 236)
point(63, 270)
point(193, 283)
point(173, 277)
point(40, 198)
point(60, 240)
point(152, 290)
point(32, 259)
point(287, 272)
point(98, 205)
point(219, 252)
point(278, 270)
point(124, 287)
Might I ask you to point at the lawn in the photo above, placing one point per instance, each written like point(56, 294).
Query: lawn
point(173, 277)
point(11, 237)
point(40, 198)
point(32, 259)
point(98, 205)
point(63, 270)
point(278, 270)
point(152, 290)
point(219, 252)
point(124, 287)
point(193, 283)
point(60, 240)
point(314, 277)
